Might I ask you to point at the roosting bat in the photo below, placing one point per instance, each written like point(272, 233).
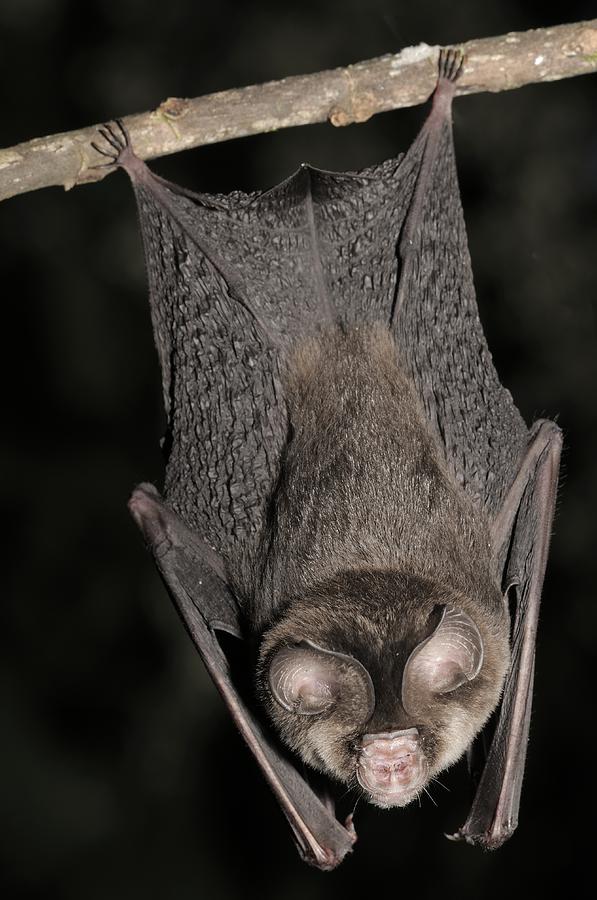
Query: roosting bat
point(348, 485)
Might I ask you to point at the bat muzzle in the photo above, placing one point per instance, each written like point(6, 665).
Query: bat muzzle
point(392, 767)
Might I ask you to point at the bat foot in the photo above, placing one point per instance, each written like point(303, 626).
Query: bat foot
point(451, 62)
point(492, 840)
point(457, 836)
point(117, 149)
point(146, 508)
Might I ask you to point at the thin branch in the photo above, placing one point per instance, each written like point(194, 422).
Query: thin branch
point(341, 96)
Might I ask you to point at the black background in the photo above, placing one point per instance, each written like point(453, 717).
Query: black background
point(121, 776)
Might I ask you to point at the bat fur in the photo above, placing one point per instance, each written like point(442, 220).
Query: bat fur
point(369, 535)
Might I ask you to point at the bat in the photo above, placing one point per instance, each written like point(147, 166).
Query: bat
point(349, 489)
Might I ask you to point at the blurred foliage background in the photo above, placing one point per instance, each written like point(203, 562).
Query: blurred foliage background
point(121, 776)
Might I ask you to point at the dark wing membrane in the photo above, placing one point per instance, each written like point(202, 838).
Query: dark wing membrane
point(317, 249)
point(227, 419)
point(356, 223)
point(359, 217)
point(269, 241)
point(439, 333)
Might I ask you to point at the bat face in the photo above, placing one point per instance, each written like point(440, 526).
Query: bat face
point(390, 703)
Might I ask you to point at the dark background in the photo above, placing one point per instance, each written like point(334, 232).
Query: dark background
point(122, 777)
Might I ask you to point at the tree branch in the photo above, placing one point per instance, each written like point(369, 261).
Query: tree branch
point(350, 94)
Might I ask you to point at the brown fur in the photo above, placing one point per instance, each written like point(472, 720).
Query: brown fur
point(369, 536)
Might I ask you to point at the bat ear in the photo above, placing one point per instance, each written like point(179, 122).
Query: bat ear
point(448, 658)
point(309, 680)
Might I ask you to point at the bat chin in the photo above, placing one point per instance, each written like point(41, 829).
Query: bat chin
point(392, 768)
point(393, 799)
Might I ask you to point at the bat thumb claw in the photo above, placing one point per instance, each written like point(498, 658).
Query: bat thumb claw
point(349, 825)
point(457, 836)
point(146, 509)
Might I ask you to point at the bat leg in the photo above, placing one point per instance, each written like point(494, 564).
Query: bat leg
point(449, 66)
point(430, 137)
point(521, 534)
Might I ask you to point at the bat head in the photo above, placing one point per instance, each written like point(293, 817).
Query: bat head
point(382, 680)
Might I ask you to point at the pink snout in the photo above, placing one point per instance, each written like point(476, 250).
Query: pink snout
point(392, 767)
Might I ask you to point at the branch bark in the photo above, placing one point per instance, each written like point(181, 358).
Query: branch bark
point(342, 96)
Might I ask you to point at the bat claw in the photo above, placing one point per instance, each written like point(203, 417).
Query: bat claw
point(110, 138)
point(117, 146)
point(349, 825)
point(457, 836)
point(451, 62)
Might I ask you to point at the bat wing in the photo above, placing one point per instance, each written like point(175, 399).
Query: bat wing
point(508, 470)
point(195, 579)
point(218, 270)
point(520, 536)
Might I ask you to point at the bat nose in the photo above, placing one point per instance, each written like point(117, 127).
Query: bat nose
point(393, 773)
point(391, 765)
